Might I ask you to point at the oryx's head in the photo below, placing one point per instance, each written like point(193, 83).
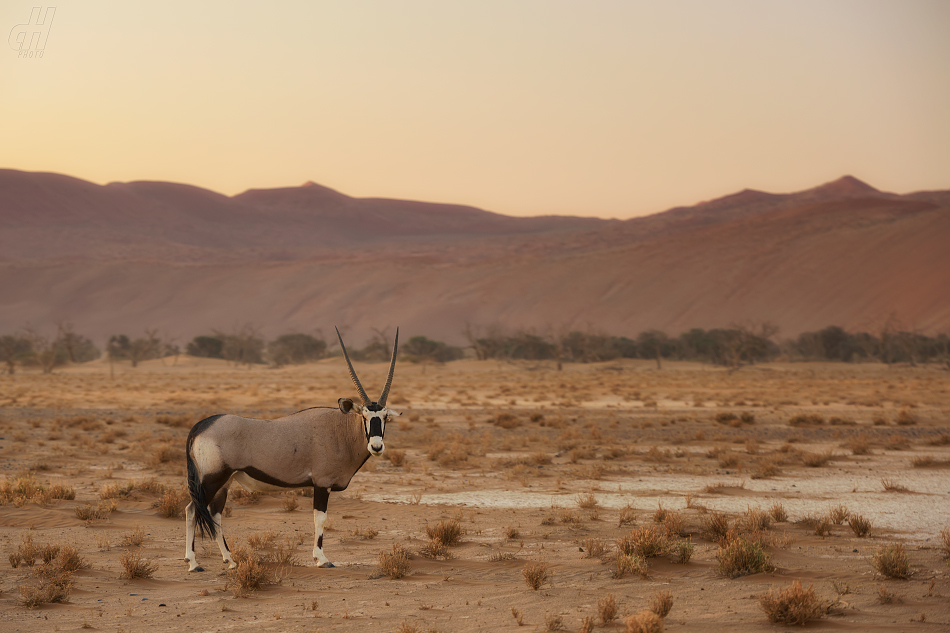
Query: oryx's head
point(375, 414)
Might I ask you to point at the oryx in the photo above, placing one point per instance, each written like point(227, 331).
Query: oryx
point(320, 448)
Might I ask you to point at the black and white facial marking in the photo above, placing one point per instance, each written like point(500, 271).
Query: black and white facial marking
point(375, 417)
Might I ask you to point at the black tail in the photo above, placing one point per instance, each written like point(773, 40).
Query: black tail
point(204, 520)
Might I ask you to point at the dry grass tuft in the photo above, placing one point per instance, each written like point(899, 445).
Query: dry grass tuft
point(742, 557)
point(447, 531)
point(859, 445)
point(396, 457)
point(778, 513)
point(89, 513)
point(792, 605)
point(607, 609)
point(135, 538)
point(945, 542)
point(627, 516)
point(681, 551)
point(535, 574)
point(646, 542)
point(661, 603)
point(806, 419)
point(251, 574)
point(435, 549)
point(859, 525)
point(553, 622)
point(892, 486)
point(817, 460)
point(756, 520)
point(394, 563)
point(839, 514)
point(643, 622)
point(587, 501)
point(906, 418)
point(135, 566)
point(714, 526)
point(630, 564)
point(173, 503)
point(892, 561)
point(594, 548)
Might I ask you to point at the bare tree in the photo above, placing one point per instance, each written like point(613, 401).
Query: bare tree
point(14, 349)
point(46, 352)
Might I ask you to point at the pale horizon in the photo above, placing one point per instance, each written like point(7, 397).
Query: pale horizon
point(603, 109)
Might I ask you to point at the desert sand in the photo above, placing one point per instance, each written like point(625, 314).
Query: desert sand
point(533, 463)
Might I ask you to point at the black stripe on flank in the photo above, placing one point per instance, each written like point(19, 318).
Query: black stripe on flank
point(263, 477)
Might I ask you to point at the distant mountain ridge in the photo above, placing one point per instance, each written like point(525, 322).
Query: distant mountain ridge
point(125, 256)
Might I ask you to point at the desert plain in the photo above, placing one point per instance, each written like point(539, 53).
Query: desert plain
point(527, 466)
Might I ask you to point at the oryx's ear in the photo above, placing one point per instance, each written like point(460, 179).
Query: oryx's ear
point(348, 406)
point(391, 412)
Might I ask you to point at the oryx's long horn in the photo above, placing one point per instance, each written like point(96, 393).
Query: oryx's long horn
point(392, 368)
point(356, 381)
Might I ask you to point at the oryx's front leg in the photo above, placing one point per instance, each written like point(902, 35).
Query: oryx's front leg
point(321, 496)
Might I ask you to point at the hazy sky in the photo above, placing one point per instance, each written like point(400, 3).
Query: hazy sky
point(615, 108)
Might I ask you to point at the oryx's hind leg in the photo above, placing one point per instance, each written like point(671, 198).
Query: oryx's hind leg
point(191, 523)
point(216, 507)
point(321, 496)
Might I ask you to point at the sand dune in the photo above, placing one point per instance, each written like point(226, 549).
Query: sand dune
point(187, 260)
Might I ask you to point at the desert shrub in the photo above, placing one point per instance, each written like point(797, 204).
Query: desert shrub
point(435, 549)
point(511, 533)
point(886, 597)
point(714, 525)
point(645, 542)
point(535, 573)
point(553, 622)
point(630, 564)
point(243, 496)
point(891, 561)
point(395, 456)
point(681, 551)
point(806, 419)
point(587, 625)
point(661, 603)
point(89, 513)
point(756, 520)
point(859, 525)
point(945, 542)
point(816, 460)
point(607, 609)
point(627, 516)
point(394, 563)
point(182, 421)
point(892, 486)
point(173, 502)
point(906, 418)
point(839, 514)
point(289, 503)
point(778, 513)
point(741, 557)
point(594, 548)
point(792, 605)
point(587, 501)
point(294, 349)
point(447, 531)
point(261, 540)
point(673, 524)
point(822, 525)
point(859, 445)
point(643, 622)
point(725, 417)
point(134, 565)
point(251, 574)
point(61, 491)
point(506, 420)
point(117, 491)
point(33, 596)
point(135, 538)
point(940, 440)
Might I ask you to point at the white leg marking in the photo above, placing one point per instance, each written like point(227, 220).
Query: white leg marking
point(319, 518)
point(225, 552)
point(190, 525)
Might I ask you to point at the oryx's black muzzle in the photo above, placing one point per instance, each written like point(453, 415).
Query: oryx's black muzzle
point(374, 436)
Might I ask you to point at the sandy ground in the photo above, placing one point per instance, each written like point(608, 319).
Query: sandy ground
point(623, 433)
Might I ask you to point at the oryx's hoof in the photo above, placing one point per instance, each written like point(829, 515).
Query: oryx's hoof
point(198, 568)
point(325, 565)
